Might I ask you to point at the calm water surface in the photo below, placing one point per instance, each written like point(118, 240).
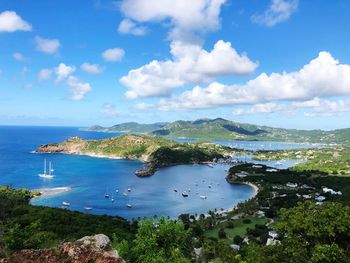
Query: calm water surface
point(90, 178)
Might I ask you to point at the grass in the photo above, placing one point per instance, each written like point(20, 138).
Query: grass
point(239, 229)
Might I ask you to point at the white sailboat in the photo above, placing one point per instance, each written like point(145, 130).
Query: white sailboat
point(45, 174)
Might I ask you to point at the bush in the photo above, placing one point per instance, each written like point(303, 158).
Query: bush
point(237, 240)
point(230, 224)
point(222, 233)
point(247, 221)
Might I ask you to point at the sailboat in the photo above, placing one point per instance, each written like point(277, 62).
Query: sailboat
point(46, 175)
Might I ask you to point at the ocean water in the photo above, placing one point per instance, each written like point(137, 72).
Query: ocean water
point(89, 178)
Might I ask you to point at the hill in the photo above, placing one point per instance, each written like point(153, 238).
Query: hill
point(156, 151)
point(211, 129)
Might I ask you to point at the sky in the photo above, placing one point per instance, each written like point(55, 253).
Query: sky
point(282, 63)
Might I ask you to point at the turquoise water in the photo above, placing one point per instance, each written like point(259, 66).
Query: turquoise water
point(90, 178)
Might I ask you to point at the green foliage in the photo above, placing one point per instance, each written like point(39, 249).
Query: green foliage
point(328, 254)
point(157, 241)
point(26, 226)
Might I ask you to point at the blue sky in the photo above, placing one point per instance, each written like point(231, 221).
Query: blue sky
point(283, 63)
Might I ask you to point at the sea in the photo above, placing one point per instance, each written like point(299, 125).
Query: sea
point(110, 186)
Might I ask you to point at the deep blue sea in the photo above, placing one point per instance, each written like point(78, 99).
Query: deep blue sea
point(89, 178)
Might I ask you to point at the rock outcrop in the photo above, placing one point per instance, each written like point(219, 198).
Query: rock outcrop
point(88, 249)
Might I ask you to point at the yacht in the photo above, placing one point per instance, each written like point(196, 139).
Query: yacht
point(184, 194)
point(106, 195)
point(129, 189)
point(129, 205)
point(87, 208)
point(203, 197)
point(45, 174)
point(64, 203)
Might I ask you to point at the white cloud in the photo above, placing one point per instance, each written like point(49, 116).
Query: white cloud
point(199, 16)
point(11, 22)
point(264, 108)
point(44, 74)
point(63, 71)
point(18, 56)
point(144, 106)
point(127, 26)
point(78, 89)
point(278, 11)
point(324, 76)
point(91, 68)
point(113, 54)
point(190, 64)
point(49, 46)
point(109, 110)
point(325, 107)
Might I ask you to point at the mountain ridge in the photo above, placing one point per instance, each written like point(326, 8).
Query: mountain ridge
point(222, 129)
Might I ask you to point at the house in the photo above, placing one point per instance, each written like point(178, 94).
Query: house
point(306, 196)
point(320, 198)
point(331, 191)
point(271, 170)
point(291, 185)
point(273, 234)
point(257, 166)
point(241, 174)
point(235, 247)
point(260, 213)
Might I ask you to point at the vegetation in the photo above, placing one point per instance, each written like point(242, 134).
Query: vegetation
point(158, 151)
point(157, 241)
point(209, 129)
point(26, 226)
point(331, 160)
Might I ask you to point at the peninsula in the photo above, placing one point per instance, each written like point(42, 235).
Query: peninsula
point(154, 151)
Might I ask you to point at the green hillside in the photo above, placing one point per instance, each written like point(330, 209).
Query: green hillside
point(209, 129)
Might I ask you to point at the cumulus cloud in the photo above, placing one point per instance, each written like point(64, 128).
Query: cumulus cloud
point(78, 89)
point(323, 76)
point(127, 26)
point(44, 74)
point(63, 71)
point(18, 56)
point(278, 11)
point(200, 16)
point(11, 22)
point(190, 64)
point(113, 54)
point(109, 110)
point(49, 46)
point(91, 68)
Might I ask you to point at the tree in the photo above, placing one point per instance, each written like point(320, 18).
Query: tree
point(158, 241)
point(328, 254)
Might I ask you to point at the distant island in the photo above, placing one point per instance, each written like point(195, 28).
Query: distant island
point(156, 152)
point(221, 129)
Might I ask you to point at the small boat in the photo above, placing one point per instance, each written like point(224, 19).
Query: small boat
point(129, 205)
point(112, 199)
point(209, 186)
point(129, 189)
point(189, 189)
point(210, 165)
point(125, 194)
point(175, 190)
point(106, 195)
point(64, 203)
point(203, 197)
point(184, 194)
point(117, 191)
point(87, 208)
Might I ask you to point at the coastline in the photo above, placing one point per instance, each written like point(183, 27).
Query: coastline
point(255, 192)
point(51, 191)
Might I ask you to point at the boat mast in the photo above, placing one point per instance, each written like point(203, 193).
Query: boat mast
point(44, 166)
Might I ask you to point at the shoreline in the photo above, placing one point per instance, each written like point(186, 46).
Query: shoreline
point(255, 192)
point(44, 192)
